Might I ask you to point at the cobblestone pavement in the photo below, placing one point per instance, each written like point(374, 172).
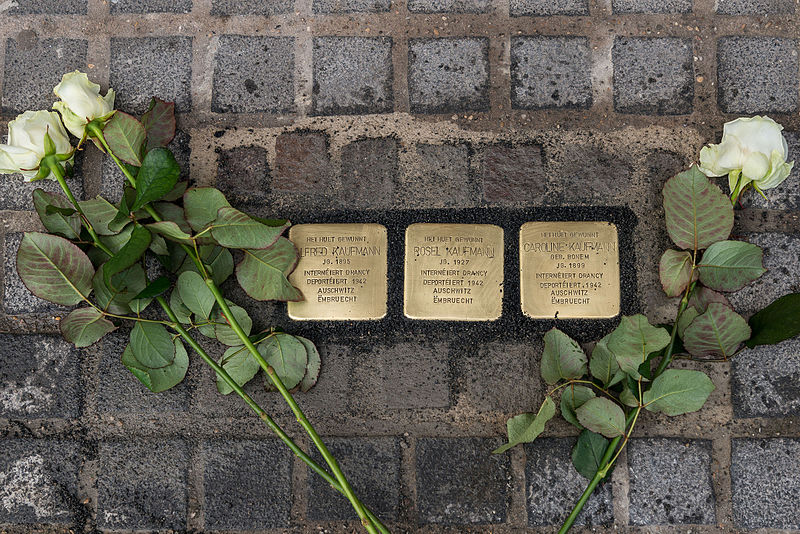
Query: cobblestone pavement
point(311, 106)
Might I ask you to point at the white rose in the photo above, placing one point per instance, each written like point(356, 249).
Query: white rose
point(752, 151)
point(26, 147)
point(81, 102)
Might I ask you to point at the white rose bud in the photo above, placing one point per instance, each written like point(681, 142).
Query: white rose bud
point(26, 143)
point(753, 151)
point(81, 102)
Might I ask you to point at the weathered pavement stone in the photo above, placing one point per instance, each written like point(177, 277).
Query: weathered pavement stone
point(652, 6)
point(460, 482)
point(263, 69)
point(442, 168)
point(16, 297)
point(142, 484)
point(372, 466)
point(448, 75)
point(351, 6)
point(670, 482)
point(251, 7)
point(243, 173)
point(766, 380)
point(36, 7)
point(757, 74)
point(247, 484)
point(754, 7)
point(766, 488)
point(39, 481)
point(17, 194)
point(653, 75)
point(449, 6)
point(370, 172)
point(302, 162)
point(34, 66)
point(151, 6)
point(164, 62)
point(514, 174)
point(552, 486)
point(537, 8)
point(550, 72)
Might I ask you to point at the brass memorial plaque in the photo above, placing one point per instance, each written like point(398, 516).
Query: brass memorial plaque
point(454, 272)
point(341, 272)
point(569, 270)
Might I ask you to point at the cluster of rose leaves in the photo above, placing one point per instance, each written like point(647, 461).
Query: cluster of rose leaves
point(699, 219)
point(65, 267)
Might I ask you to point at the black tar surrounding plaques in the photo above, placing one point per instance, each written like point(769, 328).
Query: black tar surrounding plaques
point(512, 322)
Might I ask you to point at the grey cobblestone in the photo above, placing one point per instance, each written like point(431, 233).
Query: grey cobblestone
point(302, 163)
point(370, 172)
point(754, 7)
point(448, 75)
point(143, 67)
point(351, 6)
point(263, 69)
point(16, 297)
point(151, 6)
point(552, 486)
point(33, 66)
point(247, 484)
point(39, 377)
point(550, 72)
point(449, 6)
point(372, 466)
point(17, 194)
point(142, 485)
point(39, 481)
point(766, 380)
point(613, 177)
point(757, 74)
point(514, 174)
point(442, 168)
point(243, 174)
point(251, 7)
point(460, 482)
point(766, 488)
point(36, 7)
point(653, 75)
point(652, 6)
point(540, 8)
point(352, 75)
point(670, 482)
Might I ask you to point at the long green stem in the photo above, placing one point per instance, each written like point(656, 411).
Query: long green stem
point(263, 415)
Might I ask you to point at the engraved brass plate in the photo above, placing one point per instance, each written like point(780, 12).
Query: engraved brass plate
point(341, 272)
point(454, 272)
point(569, 270)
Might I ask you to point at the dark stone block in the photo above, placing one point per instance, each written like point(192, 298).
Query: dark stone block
point(254, 74)
point(372, 466)
point(766, 380)
point(765, 485)
point(757, 74)
point(16, 297)
point(442, 168)
point(251, 7)
point(612, 177)
point(34, 66)
point(552, 486)
point(352, 75)
point(247, 484)
point(370, 172)
point(514, 174)
point(460, 482)
point(448, 75)
point(670, 482)
point(351, 6)
point(39, 482)
point(41, 7)
point(651, 6)
point(243, 173)
point(755, 7)
point(449, 6)
point(550, 72)
point(653, 75)
point(538, 8)
point(302, 163)
point(151, 6)
point(142, 485)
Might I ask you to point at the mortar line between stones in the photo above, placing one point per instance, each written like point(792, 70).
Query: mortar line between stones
point(204, 51)
point(621, 484)
point(195, 488)
point(721, 476)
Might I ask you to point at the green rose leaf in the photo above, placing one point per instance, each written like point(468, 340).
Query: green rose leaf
point(573, 398)
point(201, 205)
point(183, 313)
point(697, 212)
point(633, 340)
point(100, 213)
point(698, 303)
point(218, 260)
point(156, 178)
point(123, 216)
point(628, 398)
point(157, 287)
point(678, 391)
point(173, 212)
point(225, 333)
point(125, 135)
point(240, 365)
point(158, 246)
point(129, 254)
point(234, 229)
point(116, 242)
point(177, 192)
point(313, 367)
point(287, 355)
point(195, 294)
point(152, 345)
point(159, 123)
point(777, 322)
point(116, 297)
point(719, 330)
point(263, 273)
point(57, 221)
point(170, 230)
point(588, 453)
point(158, 379)
point(526, 427)
point(562, 357)
point(85, 326)
point(675, 272)
point(602, 416)
point(54, 269)
point(731, 265)
point(603, 364)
